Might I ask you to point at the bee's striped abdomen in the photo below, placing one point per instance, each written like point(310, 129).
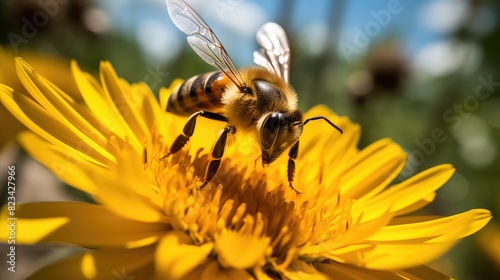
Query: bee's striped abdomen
point(202, 92)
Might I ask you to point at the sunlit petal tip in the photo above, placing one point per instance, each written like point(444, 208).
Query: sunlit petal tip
point(440, 173)
point(27, 74)
point(75, 68)
point(105, 65)
point(22, 64)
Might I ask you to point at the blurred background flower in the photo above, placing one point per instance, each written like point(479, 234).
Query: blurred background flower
point(424, 73)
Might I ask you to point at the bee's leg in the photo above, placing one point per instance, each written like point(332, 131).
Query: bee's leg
point(216, 155)
point(188, 130)
point(294, 151)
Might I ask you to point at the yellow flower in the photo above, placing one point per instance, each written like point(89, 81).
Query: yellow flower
point(55, 69)
point(151, 222)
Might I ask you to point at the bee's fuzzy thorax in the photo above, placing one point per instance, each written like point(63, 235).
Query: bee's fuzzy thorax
point(244, 110)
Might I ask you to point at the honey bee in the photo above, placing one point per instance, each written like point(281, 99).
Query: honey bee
point(258, 101)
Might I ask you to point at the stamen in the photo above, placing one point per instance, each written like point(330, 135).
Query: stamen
point(290, 256)
point(248, 225)
point(239, 214)
point(145, 157)
point(278, 238)
point(226, 209)
point(114, 143)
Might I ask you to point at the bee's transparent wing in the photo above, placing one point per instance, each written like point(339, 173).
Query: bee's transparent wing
point(274, 54)
point(202, 39)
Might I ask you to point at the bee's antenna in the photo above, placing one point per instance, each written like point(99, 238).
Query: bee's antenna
point(321, 118)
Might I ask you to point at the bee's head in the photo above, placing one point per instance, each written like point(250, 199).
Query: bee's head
point(277, 132)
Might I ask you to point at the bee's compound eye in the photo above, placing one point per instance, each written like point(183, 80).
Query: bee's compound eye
point(273, 122)
point(270, 129)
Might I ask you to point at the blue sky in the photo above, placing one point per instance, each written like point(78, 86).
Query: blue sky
point(417, 24)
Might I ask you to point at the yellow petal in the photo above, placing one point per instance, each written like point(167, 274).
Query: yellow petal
point(52, 67)
point(126, 190)
point(372, 169)
point(66, 163)
point(31, 232)
point(103, 264)
point(214, 271)
point(321, 110)
point(68, 112)
point(348, 272)
point(417, 205)
point(301, 270)
point(357, 233)
point(79, 223)
point(229, 246)
point(318, 133)
point(128, 116)
point(330, 149)
point(406, 245)
point(396, 256)
point(175, 257)
point(404, 194)
point(36, 118)
point(322, 146)
point(92, 93)
point(419, 186)
point(152, 114)
point(472, 221)
point(422, 273)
